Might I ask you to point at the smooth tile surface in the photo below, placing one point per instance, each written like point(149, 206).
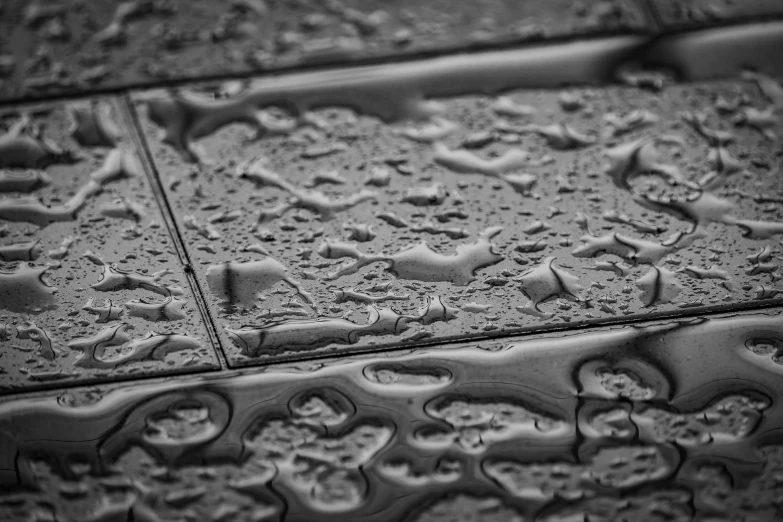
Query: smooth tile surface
point(415, 216)
point(91, 287)
point(674, 421)
point(51, 46)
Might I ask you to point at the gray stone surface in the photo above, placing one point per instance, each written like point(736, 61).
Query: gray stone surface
point(55, 46)
point(91, 286)
point(410, 219)
point(689, 13)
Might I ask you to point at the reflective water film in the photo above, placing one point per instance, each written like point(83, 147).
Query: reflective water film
point(674, 421)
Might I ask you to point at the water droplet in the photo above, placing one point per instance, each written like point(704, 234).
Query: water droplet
point(152, 346)
point(24, 290)
point(729, 418)
point(637, 250)
point(559, 135)
point(114, 279)
point(25, 181)
point(431, 228)
point(465, 162)
point(341, 296)
point(378, 177)
point(658, 286)
point(393, 219)
point(330, 177)
point(547, 282)
point(93, 125)
point(30, 331)
point(434, 194)
point(315, 333)
point(407, 375)
point(360, 232)
point(169, 309)
point(62, 251)
point(314, 201)
point(436, 129)
point(29, 251)
point(506, 106)
point(105, 310)
point(240, 283)
point(122, 208)
point(118, 164)
point(420, 262)
point(23, 146)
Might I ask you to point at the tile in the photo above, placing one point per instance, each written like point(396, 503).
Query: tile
point(718, 52)
point(355, 210)
point(680, 13)
point(54, 46)
point(91, 287)
point(666, 421)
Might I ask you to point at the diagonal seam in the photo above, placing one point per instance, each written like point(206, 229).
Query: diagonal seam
point(169, 218)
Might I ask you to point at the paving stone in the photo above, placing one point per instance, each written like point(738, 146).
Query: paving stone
point(665, 421)
point(50, 47)
point(354, 210)
point(717, 52)
point(690, 13)
point(91, 287)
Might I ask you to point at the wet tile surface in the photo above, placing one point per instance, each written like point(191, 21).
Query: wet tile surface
point(417, 219)
point(680, 13)
point(90, 283)
point(55, 46)
point(669, 421)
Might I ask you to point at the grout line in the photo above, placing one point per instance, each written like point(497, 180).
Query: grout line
point(522, 334)
point(214, 374)
point(124, 379)
point(171, 224)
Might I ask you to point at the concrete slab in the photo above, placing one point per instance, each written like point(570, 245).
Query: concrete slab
point(55, 47)
point(359, 209)
point(91, 285)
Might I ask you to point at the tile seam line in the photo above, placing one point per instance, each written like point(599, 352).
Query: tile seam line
point(123, 380)
point(169, 218)
point(444, 344)
point(521, 335)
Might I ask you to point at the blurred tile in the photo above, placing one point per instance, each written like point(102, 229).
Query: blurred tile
point(718, 52)
point(694, 13)
point(416, 216)
point(91, 287)
point(51, 46)
point(659, 422)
